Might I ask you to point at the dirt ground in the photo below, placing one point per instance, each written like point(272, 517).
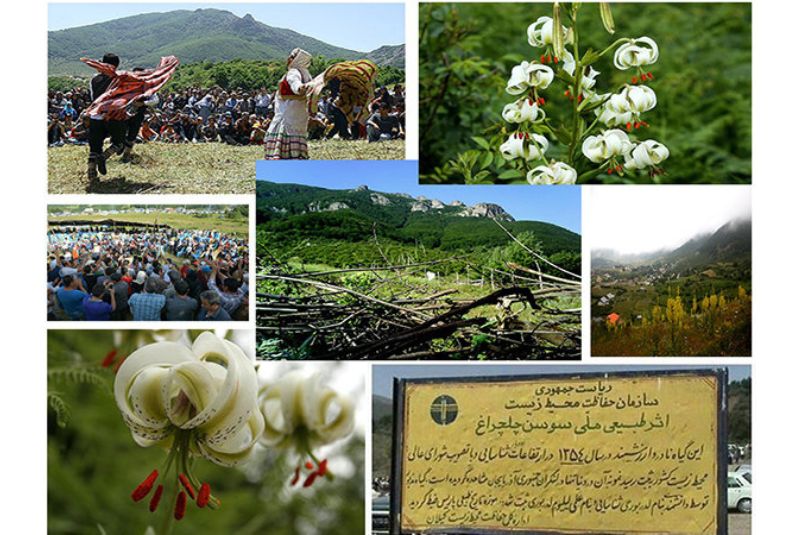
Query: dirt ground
point(739, 524)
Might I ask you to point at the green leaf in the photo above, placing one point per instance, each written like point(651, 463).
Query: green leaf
point(589, 57)
point(481, 142)
point(563, 135)
point(511, 173)
point(488, 158)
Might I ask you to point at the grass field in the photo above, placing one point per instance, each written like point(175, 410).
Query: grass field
point(237, 227)
point(212, 168)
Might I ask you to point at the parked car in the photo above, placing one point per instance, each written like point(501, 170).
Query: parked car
point(739, 493)
point(380, 515)
point(746, 472)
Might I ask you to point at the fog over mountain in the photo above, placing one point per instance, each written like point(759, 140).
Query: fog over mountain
point(646, 220)
point(730, 242)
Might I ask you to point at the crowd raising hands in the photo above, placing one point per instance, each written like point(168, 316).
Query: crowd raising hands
point(141, 274)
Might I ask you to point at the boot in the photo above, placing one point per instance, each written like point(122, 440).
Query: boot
point(101, 164)
point(112, 150)
point(127, 154)
point(109, 152)
point(91, 170)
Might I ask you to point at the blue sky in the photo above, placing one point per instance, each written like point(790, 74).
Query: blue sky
point(560, 205)
point(362, 27)
point(382, 376)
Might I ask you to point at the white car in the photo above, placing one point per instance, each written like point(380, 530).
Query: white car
point(739, 493)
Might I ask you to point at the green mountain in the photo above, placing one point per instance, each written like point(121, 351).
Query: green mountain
point(732, 242)
point(295, 211)
point(392, 55)
point(194, 36)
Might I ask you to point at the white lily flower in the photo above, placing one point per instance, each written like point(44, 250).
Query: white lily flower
point(300, 412)
point(607, 145)
point(554, 173)
point(518, 82)
point(588, 81)
point(524, 145)
point(635, 53)
point(640, 97)
point(524, 109)
point(616, 111)
point(626, 106)
point(540, 33)
point(539, 76)
point(648, 153)
point(527, 75)
point(208, 392)
point(198, 401)
point(568, 63)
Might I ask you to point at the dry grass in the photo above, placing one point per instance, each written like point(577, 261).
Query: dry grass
point(212, 168)
point(236, 227)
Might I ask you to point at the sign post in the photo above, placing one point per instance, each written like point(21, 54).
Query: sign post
point(596, 453)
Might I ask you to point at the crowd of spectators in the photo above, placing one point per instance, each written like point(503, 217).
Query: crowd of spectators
point(236, 117)
point(100, 273)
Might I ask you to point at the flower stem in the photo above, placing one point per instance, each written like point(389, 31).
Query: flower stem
point(613, 45)
point(168, 520)
point(576, 87)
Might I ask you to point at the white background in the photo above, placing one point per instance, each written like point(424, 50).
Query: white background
point(776, 320)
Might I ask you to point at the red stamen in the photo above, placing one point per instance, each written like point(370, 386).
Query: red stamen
point(309, 466)
point(187, 485)
point(634, 80)
point(144, 487)
point(542, 58)
point(628, 126)
point(296, 477)
point(555, 59)
point(580, 97)
point(202, 496)
point(108, 360)
point(650, 75)
point(566, 93)
point(156, 498)
point(180, 505)
point(541, 101)
point(549, 58)
point(610, 171)
point(636, 124)
point(322, 469)
point(310, 480)
point(530, 102)
point(618, 168)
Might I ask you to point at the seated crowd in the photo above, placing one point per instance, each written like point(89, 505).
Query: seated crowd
point(238, 117)
point(141, 274)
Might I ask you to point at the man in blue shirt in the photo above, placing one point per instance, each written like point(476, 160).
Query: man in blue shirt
point(94, 306)
point(147, 305)
point(70, 297)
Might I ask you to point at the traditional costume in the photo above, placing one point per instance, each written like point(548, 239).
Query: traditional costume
point(287, 137)
point(352, 84)
point(114, 105)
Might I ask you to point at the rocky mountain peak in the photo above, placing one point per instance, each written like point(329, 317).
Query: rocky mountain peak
point(486, 209)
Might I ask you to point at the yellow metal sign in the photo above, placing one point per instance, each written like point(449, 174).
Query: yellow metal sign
point(601, 454)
